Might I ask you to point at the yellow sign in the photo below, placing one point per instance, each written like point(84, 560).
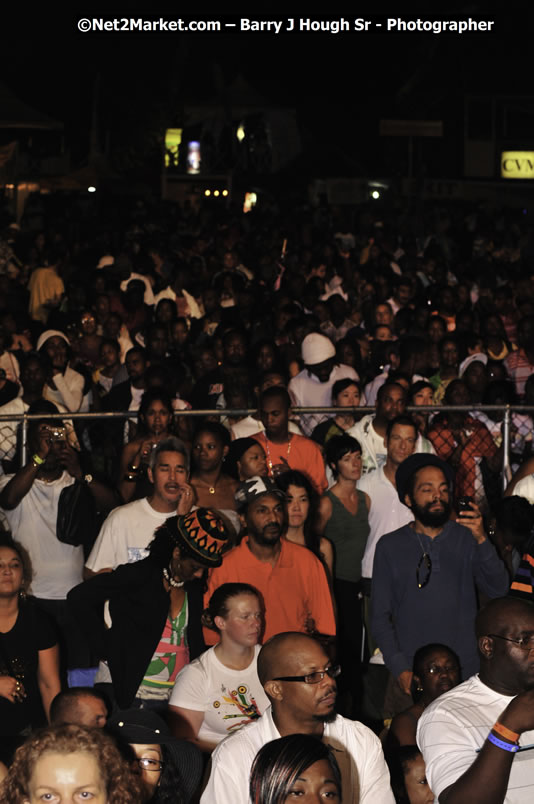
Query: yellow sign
point(517, 165)
point(173, 138)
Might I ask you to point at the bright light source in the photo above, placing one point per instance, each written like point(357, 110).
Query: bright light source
point(225, 192)
point(91, 189)
point(375, 194)
point(207, 192)
point(250, 201)
point(240, 133)
point(216, 193)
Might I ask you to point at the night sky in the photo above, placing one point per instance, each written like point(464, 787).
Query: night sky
point(341, 85)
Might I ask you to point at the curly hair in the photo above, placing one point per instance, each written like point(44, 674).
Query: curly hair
point(122, 785)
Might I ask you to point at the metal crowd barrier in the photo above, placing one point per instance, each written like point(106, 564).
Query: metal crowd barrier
point(508, 412)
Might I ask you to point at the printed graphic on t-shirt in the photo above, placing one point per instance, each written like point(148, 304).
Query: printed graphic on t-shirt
point(137, 554)
point(237, 707)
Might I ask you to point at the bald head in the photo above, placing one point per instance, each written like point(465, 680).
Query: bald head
point(82, 706)
point(500, 613)
point(280, 654)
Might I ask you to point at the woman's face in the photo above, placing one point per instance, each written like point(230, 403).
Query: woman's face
point(66, 779)
point(315, 785)
point(243, 622)
point(423, 397)
point(416, 784)
point(349, 467)
point(56, 349)
point(298, 506)
point(11, 572)
point(252, 463)
point(109, 355)
point(208, 452)
point(149, 766)
point(349, 397)
point(157, 418)
point(440, 673)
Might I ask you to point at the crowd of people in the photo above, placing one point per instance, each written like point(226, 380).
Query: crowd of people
point(209, 594)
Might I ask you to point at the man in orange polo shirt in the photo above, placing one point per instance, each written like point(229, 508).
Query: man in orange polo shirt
point(290, 578)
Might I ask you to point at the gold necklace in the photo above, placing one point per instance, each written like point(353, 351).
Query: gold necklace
point(269, 459)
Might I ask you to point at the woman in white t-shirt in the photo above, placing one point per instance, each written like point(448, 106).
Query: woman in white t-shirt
point(218, 693)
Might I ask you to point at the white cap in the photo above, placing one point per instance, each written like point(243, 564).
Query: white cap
point(317, 348)
point(51, 333)
point(478, 357)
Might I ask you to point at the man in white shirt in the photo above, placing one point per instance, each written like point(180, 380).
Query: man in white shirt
point(298, 678)
point(387, 512)
point(477, 738)
point(370, 432)
point(128, 530)
point(312, 387)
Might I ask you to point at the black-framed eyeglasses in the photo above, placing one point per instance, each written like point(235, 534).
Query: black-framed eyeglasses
point(427, 561)
point(525, 643)
point(313, 678)
point(145, 763)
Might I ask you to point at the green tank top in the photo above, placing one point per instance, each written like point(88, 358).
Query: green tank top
point(348, 533)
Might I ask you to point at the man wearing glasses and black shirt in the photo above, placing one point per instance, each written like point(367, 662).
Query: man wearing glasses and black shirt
point(424, 574)
point(299, 680)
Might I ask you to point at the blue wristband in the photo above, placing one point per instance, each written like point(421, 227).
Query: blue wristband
point(512, 747)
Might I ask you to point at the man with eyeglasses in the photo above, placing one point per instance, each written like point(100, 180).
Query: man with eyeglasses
point(424, 574)
point(299, 679)
point(477, 739)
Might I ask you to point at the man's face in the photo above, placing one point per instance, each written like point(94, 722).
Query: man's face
point(135, 365)
point(322, 370)
point(274, 415)
point(234, 350)
point(169, 476)
point(392, 403)
point(476, 377)
point(266, 520)
point(430, 504)
point(514, 665)
point(32, 377)
point(401, 443)
point(303, 701)
point(158, 342)
point(91, 712)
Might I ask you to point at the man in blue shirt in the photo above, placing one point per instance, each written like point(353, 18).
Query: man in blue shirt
point(426, 573)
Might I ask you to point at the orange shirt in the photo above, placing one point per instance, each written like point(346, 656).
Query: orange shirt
point(294, 590)
point(300, 453)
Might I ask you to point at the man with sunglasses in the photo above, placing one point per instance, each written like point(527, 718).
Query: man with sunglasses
point(424, 574)
point(477, 739)
point(299, 679)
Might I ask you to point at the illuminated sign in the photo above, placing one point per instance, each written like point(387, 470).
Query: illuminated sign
point(517, 165)
point(173, 138)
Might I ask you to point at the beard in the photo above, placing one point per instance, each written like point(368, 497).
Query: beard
point(431, 519)
point(268, 536)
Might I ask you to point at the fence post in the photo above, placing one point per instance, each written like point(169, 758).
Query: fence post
point(506, 471)
point(24, 440)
